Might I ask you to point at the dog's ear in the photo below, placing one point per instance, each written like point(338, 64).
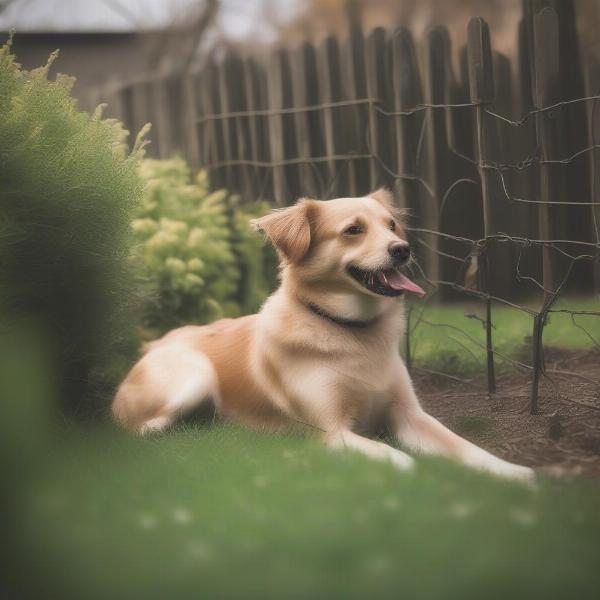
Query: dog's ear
point(383, 196)
point(386, 199)
point(289, 228)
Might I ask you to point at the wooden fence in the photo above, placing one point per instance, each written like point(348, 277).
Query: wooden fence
point(497, 160)
point(344, 117)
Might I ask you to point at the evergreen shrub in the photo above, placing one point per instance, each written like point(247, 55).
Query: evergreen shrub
point(68, 187)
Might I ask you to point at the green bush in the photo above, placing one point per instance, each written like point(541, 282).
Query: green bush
point(67, 189)
point(197, 256)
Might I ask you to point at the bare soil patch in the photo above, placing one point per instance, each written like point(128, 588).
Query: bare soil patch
point(564, 438)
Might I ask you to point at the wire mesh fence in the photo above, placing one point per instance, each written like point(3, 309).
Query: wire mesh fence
point(505, 208)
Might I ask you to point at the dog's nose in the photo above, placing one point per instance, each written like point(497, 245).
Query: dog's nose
point(399, 251)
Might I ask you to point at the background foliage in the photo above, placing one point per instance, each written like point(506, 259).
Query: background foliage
point(80, 215)
point(198, 258)
point(68, 186)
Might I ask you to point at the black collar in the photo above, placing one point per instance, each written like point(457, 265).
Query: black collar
point(341, 321)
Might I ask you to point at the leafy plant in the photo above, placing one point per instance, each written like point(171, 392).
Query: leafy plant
point(198, 258)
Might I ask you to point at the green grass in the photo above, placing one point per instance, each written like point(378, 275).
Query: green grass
point(231, 513)
point(461, 346)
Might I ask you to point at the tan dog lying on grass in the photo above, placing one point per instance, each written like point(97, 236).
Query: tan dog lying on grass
point(324, 349)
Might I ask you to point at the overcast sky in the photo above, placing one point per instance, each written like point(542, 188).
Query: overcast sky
point(237, 18)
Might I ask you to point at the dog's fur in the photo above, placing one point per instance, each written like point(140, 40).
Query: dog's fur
point(322, 351)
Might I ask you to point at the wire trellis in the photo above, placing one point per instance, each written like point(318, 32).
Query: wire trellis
point(505, 210)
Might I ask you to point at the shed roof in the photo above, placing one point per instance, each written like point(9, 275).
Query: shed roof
point(94, 16)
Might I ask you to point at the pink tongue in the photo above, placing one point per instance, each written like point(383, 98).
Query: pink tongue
point(398, 281)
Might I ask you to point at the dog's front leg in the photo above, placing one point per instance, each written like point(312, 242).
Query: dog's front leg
point(344, 439)
point(320, 393)
point(420, 432)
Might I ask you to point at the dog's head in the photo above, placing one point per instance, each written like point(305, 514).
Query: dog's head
point(347, 244)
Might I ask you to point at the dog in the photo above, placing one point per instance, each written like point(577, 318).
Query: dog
point(323, 350)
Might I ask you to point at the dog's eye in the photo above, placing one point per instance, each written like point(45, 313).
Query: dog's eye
point(353, 230)
point(393, 225)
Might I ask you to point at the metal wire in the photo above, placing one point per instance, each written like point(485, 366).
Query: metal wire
point(572, 249)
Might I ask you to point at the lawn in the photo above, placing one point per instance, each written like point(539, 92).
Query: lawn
point(231, 513)
point(451, 338)
point(227, 512)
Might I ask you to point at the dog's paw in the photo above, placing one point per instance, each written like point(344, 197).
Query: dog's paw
point(401, 461)
point(516, 473)
point(522, 473)
point(484, 461)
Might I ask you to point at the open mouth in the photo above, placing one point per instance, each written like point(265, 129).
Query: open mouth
point(385, 282)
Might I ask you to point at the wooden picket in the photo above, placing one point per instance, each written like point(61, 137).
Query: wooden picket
point(407, 94)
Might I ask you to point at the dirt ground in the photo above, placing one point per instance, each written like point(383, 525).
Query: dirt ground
point(564, 438)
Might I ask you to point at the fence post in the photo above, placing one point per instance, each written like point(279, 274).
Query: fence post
point(436, 144)
point(160, 122)
point(407, 95)
point(374, 59)
point(357, 49)
point(212, 140)
point(126, 95)
point(545, 34)
point(238, 98)
point(328, 77)
point(546, 93)
point(256, 89)
point(226, 124)
point(188, 121)
point(502, 254)
point(594, 127)
point(573, 221)
point(351, 116)
point(275, 94)
point(524, 183)
point(182, 129)
point(305, 93)
point(481, 87)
